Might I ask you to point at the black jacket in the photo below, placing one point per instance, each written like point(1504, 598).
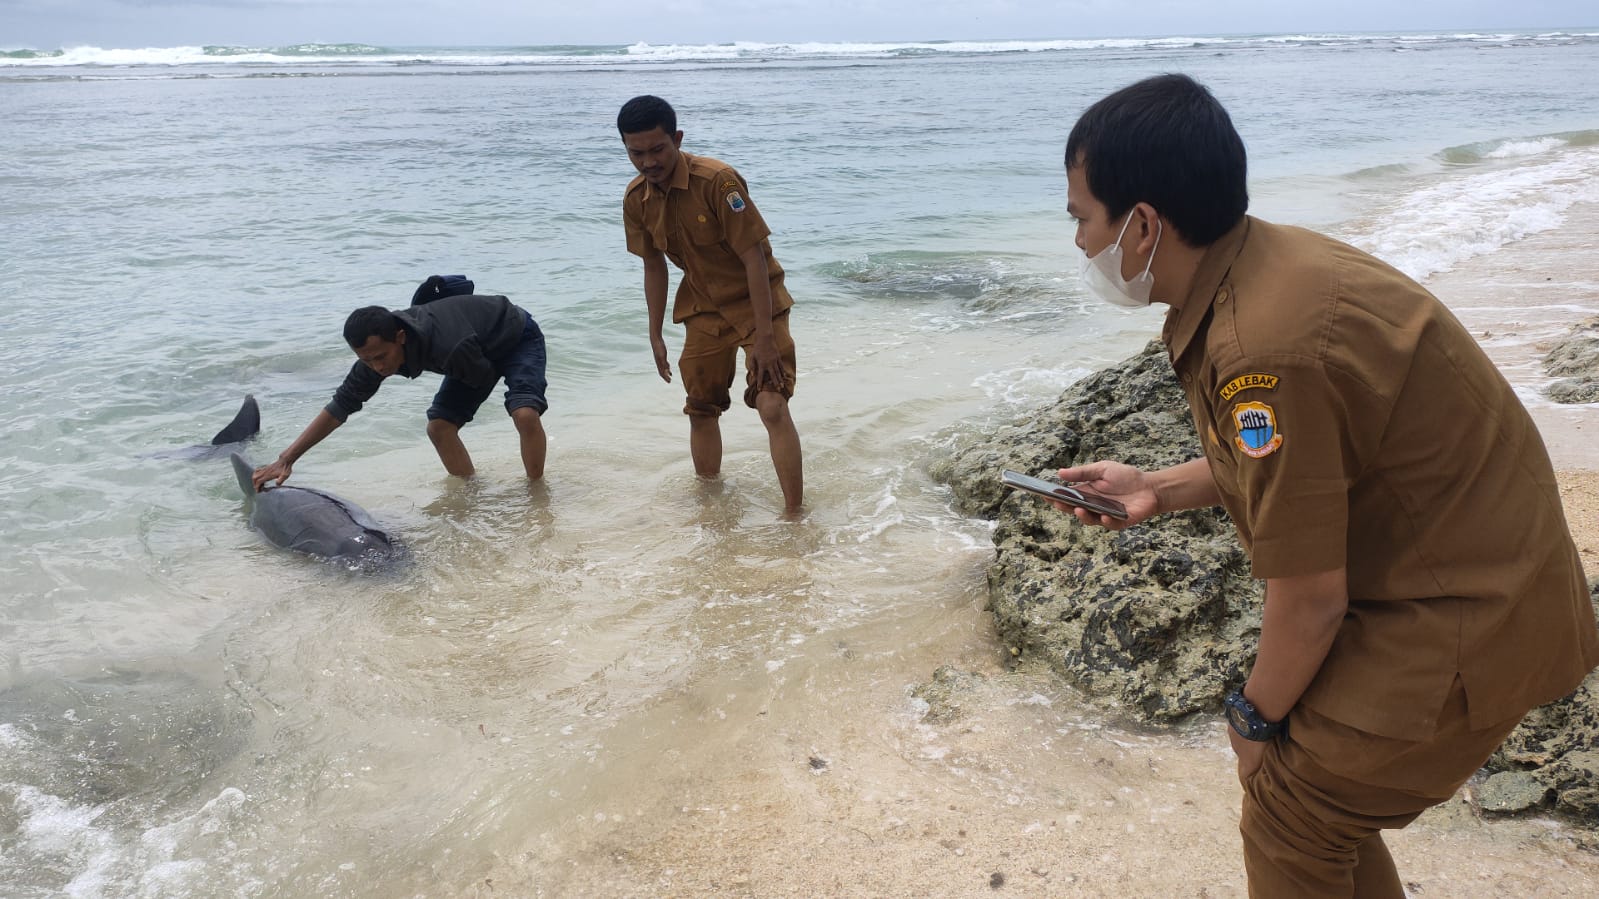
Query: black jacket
point(458, 337)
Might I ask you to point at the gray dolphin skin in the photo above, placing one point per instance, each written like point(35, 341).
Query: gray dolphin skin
point(316, 523)
point(244, 426)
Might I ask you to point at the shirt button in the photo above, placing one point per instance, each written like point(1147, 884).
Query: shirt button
point(702, 218)
point(1188, 380)
point(1222, 297)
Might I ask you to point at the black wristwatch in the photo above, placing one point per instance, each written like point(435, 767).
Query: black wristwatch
point(1246, 720)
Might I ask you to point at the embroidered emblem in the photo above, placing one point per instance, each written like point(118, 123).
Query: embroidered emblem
point(729, 185)
point(735, 202)
point(1248, 382)
point(1257, 429)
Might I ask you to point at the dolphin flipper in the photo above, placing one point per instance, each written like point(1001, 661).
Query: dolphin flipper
point(245, 472)
point(245, 425)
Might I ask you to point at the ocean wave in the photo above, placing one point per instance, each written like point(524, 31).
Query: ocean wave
point(1516, 147)
point(1524, 190)
point(638, 53)
point(299, 55)
point(295, 50)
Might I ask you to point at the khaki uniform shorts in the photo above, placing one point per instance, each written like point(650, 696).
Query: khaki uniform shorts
point(710, 358)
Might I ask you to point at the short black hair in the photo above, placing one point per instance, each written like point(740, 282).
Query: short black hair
point(1168, 142)
point(644, 113)
point(367, 321)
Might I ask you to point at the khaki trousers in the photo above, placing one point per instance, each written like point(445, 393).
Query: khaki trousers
point(1314, 812)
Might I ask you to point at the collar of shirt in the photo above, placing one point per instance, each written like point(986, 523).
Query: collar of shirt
point(679, 178)
point(1183, 322)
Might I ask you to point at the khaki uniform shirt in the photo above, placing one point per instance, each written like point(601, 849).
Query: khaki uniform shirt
point(702, 222)
point(1351, 421)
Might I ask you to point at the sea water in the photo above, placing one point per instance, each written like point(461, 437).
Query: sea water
point(186, 711)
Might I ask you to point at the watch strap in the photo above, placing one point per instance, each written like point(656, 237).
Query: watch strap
point(1245, 719)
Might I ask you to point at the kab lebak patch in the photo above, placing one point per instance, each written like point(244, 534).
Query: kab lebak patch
point(1257, 380)
point(1258, 436)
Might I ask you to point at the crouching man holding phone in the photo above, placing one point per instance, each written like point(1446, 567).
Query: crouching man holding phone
point(1422, 588)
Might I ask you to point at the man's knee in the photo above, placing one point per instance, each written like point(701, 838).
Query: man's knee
point(772, 406)
point(442, 429)
point(527, 419)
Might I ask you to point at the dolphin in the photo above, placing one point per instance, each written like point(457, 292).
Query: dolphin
point(245, 425)
point(317, 523)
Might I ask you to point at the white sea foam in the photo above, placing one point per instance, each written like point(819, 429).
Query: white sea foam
point(1028, 384)
point(11, 737)
point(1439, 226)
point(1511, 149)
point(314, 54)
point(53, 825)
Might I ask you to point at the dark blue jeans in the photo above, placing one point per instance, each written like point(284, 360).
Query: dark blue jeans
point(523, 371)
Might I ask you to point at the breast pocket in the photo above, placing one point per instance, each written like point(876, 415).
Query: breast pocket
point(702, 229)
point(1217, 437)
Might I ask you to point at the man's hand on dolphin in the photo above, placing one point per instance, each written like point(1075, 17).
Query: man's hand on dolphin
point(272, 471)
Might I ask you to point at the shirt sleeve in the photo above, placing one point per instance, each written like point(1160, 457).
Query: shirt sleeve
point(742, 225)
point(1293, 451)
point(360, 385)
point(638, 238)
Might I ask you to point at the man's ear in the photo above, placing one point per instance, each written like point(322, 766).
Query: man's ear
point(677, 139)
point(399, 337)
point(1147, 222)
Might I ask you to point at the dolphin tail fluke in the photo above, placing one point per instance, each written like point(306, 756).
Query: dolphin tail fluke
point(245, 425)
point(244, 470)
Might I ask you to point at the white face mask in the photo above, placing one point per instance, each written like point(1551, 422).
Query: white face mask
point(1102, 273)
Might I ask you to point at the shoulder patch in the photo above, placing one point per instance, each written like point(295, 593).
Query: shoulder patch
point(735, 202)
point(1251, 381)
point(730, 184)
point(1257, 429)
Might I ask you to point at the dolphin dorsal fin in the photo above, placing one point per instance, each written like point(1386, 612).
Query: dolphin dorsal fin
point(244, 425)
point(245, 471)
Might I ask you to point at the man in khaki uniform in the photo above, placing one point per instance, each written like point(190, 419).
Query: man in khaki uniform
point(1422, 588)
point(698, 212)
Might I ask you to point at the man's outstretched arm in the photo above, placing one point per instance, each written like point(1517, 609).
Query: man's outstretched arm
point(320, 427)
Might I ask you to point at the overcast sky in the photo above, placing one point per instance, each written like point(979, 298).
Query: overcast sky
point(50, 24)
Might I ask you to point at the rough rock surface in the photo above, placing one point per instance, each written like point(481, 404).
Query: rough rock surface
point(1575, 360)
point(1162, 619)
point(947, 694)
point(1557, 747)
point(1158, 616)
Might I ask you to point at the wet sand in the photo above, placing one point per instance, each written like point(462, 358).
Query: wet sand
point(832, 780)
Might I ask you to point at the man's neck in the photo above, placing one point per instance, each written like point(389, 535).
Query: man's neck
point(1175, 266)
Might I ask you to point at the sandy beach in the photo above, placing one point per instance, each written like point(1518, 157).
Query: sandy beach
point(840, 783)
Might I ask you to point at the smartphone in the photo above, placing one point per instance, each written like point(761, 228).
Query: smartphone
point(1093, 502)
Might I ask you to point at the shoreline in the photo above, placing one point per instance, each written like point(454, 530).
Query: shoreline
point(846, 782)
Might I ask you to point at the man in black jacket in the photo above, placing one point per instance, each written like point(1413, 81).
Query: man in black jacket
point(473, 341)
